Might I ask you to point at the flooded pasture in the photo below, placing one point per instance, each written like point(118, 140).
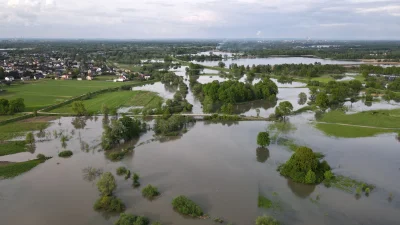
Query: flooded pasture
point(219, 166)
point(275, 61)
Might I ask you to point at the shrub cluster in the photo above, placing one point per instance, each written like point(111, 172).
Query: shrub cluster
point(150, 192)
point(109, 204)
point(186, 206)
point(304, 167)
point(65, 154)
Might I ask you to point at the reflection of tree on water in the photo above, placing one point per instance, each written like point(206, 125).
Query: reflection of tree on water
point(262, 154)
point(228, 123)
point(90, 174)
point(258, 104)
point(279, 128)
point(31, 148)
point(300, 190)
point(79, 122)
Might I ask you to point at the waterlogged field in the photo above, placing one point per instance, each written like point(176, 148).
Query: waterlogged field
point(216, 165)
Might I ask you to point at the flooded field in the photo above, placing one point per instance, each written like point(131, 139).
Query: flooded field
point(218, 166)
point(275, 61)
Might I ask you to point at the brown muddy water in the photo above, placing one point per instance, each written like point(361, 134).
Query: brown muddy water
point(218, 166)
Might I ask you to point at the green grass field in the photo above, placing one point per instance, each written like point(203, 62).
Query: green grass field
point(39, 94)
point(7, 117)
point(376, 120)
point(20, 128)
point(117, 99)
point(12, 147)
point(14, 169)
point(350, 132)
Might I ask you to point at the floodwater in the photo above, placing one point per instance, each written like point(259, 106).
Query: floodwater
point(218, 166)
point(276, 61)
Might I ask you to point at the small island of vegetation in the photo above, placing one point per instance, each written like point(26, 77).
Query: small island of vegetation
point(185, 206)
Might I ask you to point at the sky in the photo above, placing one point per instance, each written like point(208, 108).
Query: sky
point(158, 19)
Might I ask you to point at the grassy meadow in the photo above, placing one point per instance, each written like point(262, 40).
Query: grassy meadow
point(39, 94)
point(377, 121)
point(11, 170)
point(12, 147)
point(115, 100)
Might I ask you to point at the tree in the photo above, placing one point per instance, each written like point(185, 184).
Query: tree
point(322, 100)
point(106, 184)
point(221, 64)
point(2, 74)
point(16, 105)
point(266, 220)
point(112, 134)
point(283, 109)
point(227, 108)
point(105, 110)
point(310, 177)
point(30, 139)
point(263, 139)
point(79, 108)
point(129, 219)
point(304, 167)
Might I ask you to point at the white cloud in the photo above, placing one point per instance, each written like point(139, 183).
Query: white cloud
point(393, 10)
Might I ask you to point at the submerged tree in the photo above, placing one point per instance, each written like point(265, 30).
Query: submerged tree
point(304, 167)
point(106, 184)
point(263, 139)
point(283, 109)
point(30, 139)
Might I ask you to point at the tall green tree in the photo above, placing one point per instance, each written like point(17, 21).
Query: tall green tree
point(263, 139)
point(79, 108)
point(283, 109)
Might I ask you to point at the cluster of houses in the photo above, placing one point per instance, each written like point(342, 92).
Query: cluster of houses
point(39, 66)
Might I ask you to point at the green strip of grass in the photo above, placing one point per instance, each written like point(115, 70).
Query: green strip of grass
point(14, 169)
point(116, 100)
point(337, 130)
point(12, 147)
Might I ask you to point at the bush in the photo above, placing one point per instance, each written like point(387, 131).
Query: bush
point(304, 167)
point(106, 184)
point(65, 154)
point(109, 204)
point(186, 206)
point(263, 139)
point(121, 170)
point(41, 157)
point(128, 175)
point(135, 178)
point(129, 219)
point(266, 220)
point(150, 192)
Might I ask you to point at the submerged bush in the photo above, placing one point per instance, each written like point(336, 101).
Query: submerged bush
point(266, 220)
point(109, 204)
point(150, 192)
point(304, 167)
point(41, 157)
point(135, 178)
point(129, 219)
point(65, 154)
point(186, 206)
point(121, 170)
